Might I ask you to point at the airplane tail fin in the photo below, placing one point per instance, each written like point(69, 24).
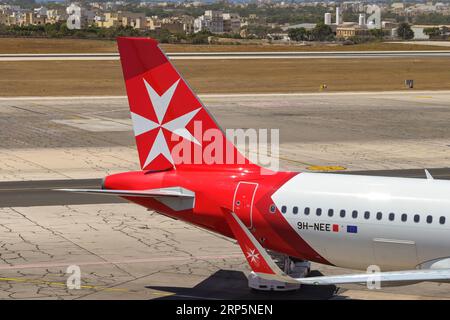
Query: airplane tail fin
point(171, 126)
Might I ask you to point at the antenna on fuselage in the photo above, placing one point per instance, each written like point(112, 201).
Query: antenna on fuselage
point(428, 174)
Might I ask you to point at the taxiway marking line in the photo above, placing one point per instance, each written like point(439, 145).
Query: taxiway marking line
point(97, 288)
point(315, 167)
point(61, 284)
point(91, 287)
point(95, 263)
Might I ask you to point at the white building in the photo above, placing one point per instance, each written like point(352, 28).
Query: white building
point(338, 16)
point(211, 21)
point(398, 6)
point(419, 30)
point(352, 6)
point(327, 18)
point(9, 8)
point(55, 15)
point(42, 11)
point(362, 19)
point(307, 26)
point(231, 22)
point(87, 17)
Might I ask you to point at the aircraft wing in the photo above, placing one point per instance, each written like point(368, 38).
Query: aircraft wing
point(164, 192)
point(391, 276)
point(262, 264)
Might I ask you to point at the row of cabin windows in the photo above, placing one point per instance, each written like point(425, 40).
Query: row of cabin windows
point(366, 214)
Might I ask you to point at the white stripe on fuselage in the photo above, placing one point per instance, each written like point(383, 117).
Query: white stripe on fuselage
point(389, 244)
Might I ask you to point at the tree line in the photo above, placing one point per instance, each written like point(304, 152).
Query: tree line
point(323, 32)
point(60, 30)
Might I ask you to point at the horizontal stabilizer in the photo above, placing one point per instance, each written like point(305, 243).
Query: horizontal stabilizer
point(152, 193)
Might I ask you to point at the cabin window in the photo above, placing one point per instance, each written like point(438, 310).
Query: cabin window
point(318, 211)
point(416, 218)
point(295, 210)
point(354, 214)
point(273, 208)
point(330, 212)
point(366, 215)
point(404, 217)
point(307, 211)
point(429, 219)
point(379, 215)
point(283, 209)
point(342, 213)
point(391, 216)
point(442, 220)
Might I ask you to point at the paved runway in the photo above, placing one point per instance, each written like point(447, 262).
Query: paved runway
point(54, 138)
point(237, 55)
point(127, 252)
point(42, 193)
point(392, 94)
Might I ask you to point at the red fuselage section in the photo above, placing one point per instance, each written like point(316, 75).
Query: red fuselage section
point(244, 190)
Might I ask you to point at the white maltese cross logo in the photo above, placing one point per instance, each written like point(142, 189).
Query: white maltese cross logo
point(252, 255)
point(178, 125)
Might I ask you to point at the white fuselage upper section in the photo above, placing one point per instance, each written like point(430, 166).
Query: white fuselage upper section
point(358, 221)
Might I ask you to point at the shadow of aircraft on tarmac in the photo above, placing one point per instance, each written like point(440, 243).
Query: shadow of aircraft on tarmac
point(233, 285)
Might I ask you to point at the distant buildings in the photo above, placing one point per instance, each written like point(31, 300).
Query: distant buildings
point(421, 34)
point(7, 19)
point(55, 15)
point(353, 6)
point(361, 29)
point(344, 32)
point(119, 18)
point(306, 26)
point(327, 18)
point(211, 21)
point(14, 15)
point(31, 18)
point(183, 24)
point(113, 14)
point(231, 23)
point(218, 22)
point(338, 16)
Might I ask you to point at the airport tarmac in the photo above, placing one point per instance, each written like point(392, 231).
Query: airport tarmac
point(127, 252)
point(84, 138)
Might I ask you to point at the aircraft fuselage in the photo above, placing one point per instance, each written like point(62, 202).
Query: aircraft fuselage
point(343, 220)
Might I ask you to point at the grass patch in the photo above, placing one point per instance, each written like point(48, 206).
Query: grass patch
point(62, 78)
point(43, 45)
